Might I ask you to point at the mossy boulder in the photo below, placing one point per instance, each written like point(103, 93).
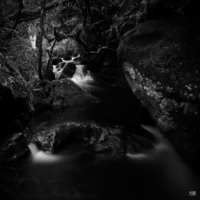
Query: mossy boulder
point(13, 149)
point(99, 140)
point(59, 94)
point(15, 101)
point(161, 62)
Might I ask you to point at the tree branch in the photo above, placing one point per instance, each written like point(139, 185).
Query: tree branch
point(50, 55)
point(21, 7)
point(42, 14)
point(27, 16)
point(78, 39)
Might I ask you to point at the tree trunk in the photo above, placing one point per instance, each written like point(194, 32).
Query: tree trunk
point(21, 6)
point(41, 33)
point(50, 55)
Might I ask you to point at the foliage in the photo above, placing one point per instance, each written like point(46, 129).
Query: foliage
point(26, 59)
point(72, 25)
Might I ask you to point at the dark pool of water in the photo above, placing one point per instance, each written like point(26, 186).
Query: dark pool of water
point(73, 173)
point(118, 106)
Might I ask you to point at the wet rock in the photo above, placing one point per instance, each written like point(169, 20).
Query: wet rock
point(161, 63)
point(48, 73)
point(14, 95)
point(16, 126)
point(64, 70)
point(15, 148)
point(97, 140)
point(103, 57)
point(56, 60)
point(59, 94)
point(125, 27)
point(68, 71)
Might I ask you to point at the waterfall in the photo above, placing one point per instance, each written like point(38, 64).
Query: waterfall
point(82, 75)
point(33, 148)
point(39, 156)
point(33, 41)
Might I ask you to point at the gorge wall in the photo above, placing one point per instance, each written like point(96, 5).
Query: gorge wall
point(161, 62)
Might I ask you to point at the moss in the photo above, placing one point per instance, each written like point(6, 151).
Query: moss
point(163, 72)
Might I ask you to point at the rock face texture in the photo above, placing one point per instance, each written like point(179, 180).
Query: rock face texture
point(162, 66)
point(13, 149)
point(15, 101)
point(98, 140)
point(59, 94)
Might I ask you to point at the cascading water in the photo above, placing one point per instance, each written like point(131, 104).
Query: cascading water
point(39, 156)
point(32, 39)
point(82, 76)
point(33, 148)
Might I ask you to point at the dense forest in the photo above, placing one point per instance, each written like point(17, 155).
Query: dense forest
point(42, 28)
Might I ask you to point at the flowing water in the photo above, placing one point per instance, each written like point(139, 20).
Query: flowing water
point(71, 173)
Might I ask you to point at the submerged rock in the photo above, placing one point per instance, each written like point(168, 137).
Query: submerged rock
point(13, 149)
point(161, 62)
point(98, 140)
point(59, 94)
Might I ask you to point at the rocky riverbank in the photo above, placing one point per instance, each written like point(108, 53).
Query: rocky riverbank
point(161, 62)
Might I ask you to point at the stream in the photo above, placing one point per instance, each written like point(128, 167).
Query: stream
point(72, 173)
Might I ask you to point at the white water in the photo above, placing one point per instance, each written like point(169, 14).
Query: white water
point(33, 41)
point(39, 156)
point(82, 76)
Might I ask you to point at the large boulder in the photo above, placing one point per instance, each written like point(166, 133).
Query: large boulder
point(13, 149)
point(59, 94)
point(161, 62)
point(67, 71)
point(15, 101)
point(103, 141)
